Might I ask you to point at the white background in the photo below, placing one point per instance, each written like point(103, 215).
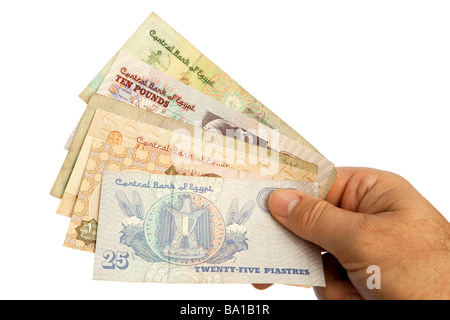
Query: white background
point(366, 82)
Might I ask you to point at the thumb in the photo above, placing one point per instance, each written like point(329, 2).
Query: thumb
point(315, 220)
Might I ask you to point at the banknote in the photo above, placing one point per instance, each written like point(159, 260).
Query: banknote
point(105, 155)
point(197, 149)
point(160, 46)
point(160, 130)
point(134, 82)
point(180, 229)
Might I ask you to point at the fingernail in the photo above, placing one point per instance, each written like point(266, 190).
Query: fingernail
point(282, 202)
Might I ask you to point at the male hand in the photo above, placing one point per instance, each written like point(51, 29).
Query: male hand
point(372, 218)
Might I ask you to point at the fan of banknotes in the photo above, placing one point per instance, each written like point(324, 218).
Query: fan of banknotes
point(169, 171)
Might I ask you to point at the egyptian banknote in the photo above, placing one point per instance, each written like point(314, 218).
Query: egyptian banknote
point(134, 82)
point(178, 229)
point(122, 109)
point(160, 46)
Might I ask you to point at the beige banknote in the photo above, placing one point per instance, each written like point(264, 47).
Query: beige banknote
point(104, 155)
point(122, 109)
point(198, 149)
point(160, 46)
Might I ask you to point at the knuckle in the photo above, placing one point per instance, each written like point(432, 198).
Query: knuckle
point(308, 220)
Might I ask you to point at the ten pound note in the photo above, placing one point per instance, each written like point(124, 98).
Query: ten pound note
point(179, 229)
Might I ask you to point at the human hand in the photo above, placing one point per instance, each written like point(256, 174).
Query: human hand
point(372, 218)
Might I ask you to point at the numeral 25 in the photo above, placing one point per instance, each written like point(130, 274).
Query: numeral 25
point(113, 260)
